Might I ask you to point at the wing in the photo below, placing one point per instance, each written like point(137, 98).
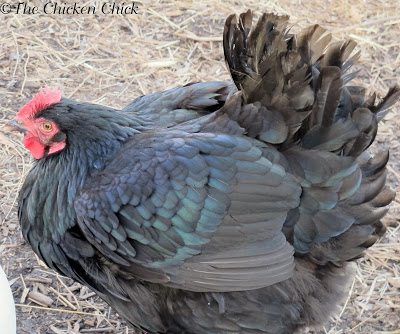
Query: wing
point(181, 104)
point(202, 211)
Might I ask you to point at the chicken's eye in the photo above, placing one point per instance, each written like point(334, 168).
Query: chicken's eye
point(47, 126)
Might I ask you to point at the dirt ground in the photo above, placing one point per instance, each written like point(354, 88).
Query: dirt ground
point(112, 59)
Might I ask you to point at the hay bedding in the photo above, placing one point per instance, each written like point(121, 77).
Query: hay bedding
point(111, 59)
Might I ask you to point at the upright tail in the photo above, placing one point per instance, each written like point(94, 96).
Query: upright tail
point(295, 94)
point(301, 83)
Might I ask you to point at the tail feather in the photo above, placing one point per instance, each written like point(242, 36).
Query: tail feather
point(312, 43)
point(295, 95)
point(303, 78)
point(382, 108)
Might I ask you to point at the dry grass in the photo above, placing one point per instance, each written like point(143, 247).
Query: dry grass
point(113, 59)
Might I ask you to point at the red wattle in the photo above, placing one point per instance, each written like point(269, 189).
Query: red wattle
point(36, 148)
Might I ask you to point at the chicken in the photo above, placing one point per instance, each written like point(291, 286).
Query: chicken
point(214, 208)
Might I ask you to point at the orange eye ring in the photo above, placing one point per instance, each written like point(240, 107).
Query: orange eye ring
point(47, 126)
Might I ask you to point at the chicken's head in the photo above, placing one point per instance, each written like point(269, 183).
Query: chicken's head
point(42, 136)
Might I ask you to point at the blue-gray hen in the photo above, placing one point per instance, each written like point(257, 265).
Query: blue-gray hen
point(215, 208)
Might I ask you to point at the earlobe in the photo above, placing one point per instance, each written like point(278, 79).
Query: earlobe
point(57, 147)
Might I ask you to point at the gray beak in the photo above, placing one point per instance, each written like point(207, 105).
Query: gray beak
point(13, 125)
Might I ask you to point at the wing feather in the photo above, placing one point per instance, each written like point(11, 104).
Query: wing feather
point(203, 210)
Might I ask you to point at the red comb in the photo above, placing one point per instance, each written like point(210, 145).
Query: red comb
point(42, 100)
